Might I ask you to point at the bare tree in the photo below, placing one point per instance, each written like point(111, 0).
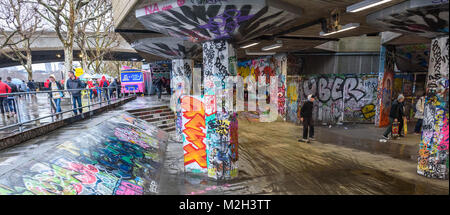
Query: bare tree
point(96, 38)
point(20, 23)
point(64, 16)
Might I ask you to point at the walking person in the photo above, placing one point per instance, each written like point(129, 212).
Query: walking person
point(4, 88)
point(75, 85)
point(55, 97)
point(420, 106)
point(397, 114)
point(306, 116)
point(12, 99)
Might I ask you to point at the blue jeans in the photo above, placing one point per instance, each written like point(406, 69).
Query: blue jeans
point(58, 105)
point(11, 103)
point(77, 99)
point(418, 127)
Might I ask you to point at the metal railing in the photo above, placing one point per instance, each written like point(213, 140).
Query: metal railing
point(103, 96)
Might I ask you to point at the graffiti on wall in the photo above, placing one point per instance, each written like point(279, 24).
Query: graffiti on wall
point(194, 134)
point(182, 70)
point(429, 20)
point(221, 120)
point(385, 86)
point(199, 21)
point(267, 67)
point(339, 97)
point(439, 60)
point(433, 153)
point(114, 158)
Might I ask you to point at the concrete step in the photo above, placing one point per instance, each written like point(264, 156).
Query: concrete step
point(156, 115)
point(163, 118)
point(146, 113)
point(148, 109)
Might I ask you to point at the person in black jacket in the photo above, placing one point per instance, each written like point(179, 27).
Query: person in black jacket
point(396, 114)
point(75, 83)
point(306, 117)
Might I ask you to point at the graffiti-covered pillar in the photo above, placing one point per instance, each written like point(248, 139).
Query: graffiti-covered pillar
point(281, 71)
point(180, 83)
point(219, 62)
point(385, 86)
point(433, 152)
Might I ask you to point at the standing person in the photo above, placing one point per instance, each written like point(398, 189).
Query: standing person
point(396, 114)
point(158, 87)
point(103, 84)
point(4, 88)
point(420, 106)
point(306, 116)
point(90, 86)
point(75, 83)
point(55, 96)
point(11, 99)
point(113, 88)
point(31, 86)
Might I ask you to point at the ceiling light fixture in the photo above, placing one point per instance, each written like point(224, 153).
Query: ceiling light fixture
point(347, 27)
point(259, 53)
point(279, 44)
point(365, 5)
point(249, 45)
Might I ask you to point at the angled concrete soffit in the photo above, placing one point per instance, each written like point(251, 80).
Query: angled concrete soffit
point(426, 18)
point(200, 21)
point(169, 47)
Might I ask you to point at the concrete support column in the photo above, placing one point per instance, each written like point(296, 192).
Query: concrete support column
point(219, 62)
point(433, 153)
point(385, 86)
point(180, 83)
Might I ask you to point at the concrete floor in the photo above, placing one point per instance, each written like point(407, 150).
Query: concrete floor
point(271, 161)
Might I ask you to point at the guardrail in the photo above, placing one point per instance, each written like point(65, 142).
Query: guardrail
point(103, 97)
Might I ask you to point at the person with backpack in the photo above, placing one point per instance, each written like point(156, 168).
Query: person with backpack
point(11, 100)
point(103, 84)
point(306, 116)
point(420, 106)
point(4, 88)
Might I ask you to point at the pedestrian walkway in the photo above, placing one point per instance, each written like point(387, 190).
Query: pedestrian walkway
point(38, 106)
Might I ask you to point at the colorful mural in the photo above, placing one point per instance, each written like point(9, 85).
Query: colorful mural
point(338, 97)
point(121, 156)
point(194, 134)
point(268, 67)
point(433, 153)
point(221, 120)
point(385, 86)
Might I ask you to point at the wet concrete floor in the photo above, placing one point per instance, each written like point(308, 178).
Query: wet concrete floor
point(271, 161)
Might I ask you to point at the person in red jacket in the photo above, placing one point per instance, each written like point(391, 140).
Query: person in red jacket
point(104, 83)
point(4, 88)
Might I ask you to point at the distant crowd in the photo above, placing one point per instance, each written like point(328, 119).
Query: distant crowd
point(97, 92)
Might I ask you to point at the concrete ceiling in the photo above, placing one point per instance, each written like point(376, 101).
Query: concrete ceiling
point(312, 10)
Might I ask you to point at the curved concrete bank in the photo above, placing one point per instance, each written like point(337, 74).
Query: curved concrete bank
point(121, 155)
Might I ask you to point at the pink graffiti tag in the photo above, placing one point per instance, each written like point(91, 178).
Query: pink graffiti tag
point(88, 172)
point(127, 188)
point(443, 145)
